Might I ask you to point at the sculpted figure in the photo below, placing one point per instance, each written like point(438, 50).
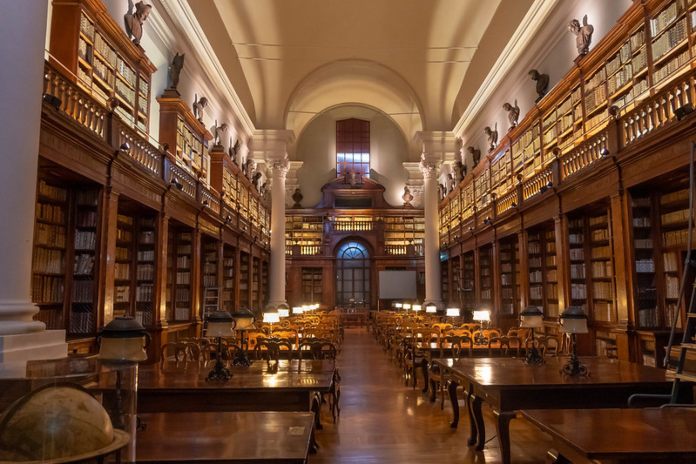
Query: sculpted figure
point(542, 83)
point(256, 178)
point(217, 133)
point(198, 105)
point(492, 135)
point(513, 113)
point(475, 155)
point(135, 18)
point(407, 197)
point(583, 34)
point(175, 70)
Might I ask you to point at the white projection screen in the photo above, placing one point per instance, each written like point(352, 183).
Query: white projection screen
point(397, 285)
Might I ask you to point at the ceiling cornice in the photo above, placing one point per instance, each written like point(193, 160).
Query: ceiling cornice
point(518, 45)
point(181, 15)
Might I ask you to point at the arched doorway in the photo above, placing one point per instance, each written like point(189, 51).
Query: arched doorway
point(352, 274)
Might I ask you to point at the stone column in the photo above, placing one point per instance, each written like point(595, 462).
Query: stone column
point(433, 288)
point(279, 171)
point(22, 43)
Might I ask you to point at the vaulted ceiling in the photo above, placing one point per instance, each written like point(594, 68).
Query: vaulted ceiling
point(416, 60)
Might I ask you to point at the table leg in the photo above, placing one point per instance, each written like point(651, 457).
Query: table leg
point(452, 391)
point(475, 410)
point(316, 409)
point(433, 390)
point(503, 425)
point(424, 369)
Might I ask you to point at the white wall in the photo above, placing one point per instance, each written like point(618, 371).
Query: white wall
point(551, 53)
point(316, 147)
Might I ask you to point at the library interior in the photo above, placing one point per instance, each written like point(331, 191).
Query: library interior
point(322, 231)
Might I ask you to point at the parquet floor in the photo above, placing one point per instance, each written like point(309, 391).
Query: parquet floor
point(382, 421)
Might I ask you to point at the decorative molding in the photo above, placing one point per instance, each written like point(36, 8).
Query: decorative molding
point(271, 144)
point(518, 45)
point(181, 15)
point(436, 145)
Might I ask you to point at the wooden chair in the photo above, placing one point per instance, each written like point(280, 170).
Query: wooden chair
point(457, 343)
point(318, 350)
point(270, 348)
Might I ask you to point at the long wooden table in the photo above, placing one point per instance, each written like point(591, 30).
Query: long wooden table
point(260, 387)
point(225, 437)
point(619, 436)
point(508, 385)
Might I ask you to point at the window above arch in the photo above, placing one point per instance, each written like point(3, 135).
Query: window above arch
point(353, 147)
point(353, 250)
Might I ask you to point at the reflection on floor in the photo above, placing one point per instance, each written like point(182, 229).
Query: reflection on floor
point(382, 421)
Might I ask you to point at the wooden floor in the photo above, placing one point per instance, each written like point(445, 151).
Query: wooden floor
point(382, 421)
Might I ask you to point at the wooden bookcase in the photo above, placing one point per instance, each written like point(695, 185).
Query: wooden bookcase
point(486, 277)
point(468, 281)
point(186, 136)
point(145, 269)
point(123, 275)
point(180, 267)
point(244, 281)
point(645, 297)
point(602, 269)
point(83, 307)
point(99, 57)
point(509, 276)
point(578, 255)
point(543, 274)
point(444, 280)
point(229, 277)
point(50, 254)
point(256, 284)
point(209, 283)
point(304, 234)
point(263, 291)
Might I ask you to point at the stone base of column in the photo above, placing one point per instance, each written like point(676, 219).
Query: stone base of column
point(276, 303)
point(48, 344)
point(439, 303)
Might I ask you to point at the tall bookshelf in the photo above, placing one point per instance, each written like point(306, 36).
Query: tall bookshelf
point(145, 269)
point(551, 273)
point(102, 60)
point(674, 216)
point(263, 291)
point(244, 280)
point(228, 277)
point(509, 276)
point(486, 277)
point(669, 34)
point(456, 280)
point(602, 270)
point(577, 245)
point(83, 307)
point(123, 267)
point(645, 297)
point(468, 282)
point(50, 248)
point(536, 268)
point(543, 273)
point(209, 269)
point(444, 280)
point(255, 283)
point(180, 264)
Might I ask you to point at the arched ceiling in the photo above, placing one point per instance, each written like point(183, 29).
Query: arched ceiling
point(409, 58)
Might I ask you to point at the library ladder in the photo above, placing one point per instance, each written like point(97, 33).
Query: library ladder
point(688, 345)
point(211, 300)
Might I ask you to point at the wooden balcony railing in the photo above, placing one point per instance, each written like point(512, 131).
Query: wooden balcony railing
point(74, 102)
point(584, 155)
point(140, 150)
point(351, 226)
point(657, 111)
point(181, 179)
point(536, 184)
point(506, 202)
point(206, 195)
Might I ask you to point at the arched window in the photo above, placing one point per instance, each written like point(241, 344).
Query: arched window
point(353, 274)
point(353, 147)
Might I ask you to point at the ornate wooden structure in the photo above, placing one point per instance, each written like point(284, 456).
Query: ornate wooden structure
point(590, 190)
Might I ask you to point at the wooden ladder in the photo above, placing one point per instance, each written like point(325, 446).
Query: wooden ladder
point(211, 300)
point(688, 345)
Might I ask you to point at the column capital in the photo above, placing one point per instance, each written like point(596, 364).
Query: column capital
point(271, 144)
point(437, 145)
point(279, 166)
point(430, 168)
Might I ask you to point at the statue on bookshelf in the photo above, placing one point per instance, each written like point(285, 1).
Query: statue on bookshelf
point(249, 167)
point(542, 83)
point(513, 113)
point(263, 189)
point(407, 197)
point(443, 191)
point(175, 68)
point(583, 34)
point(218, 131)
point(492, 135)
point(451, 183)
point(199, 104)
point(135, 18)
point(297, 198)
point(475, 155)
point(460, 170)
point(256, 179)
point(233, 150)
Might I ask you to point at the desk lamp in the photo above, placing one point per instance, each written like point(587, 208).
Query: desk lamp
point(574, 321)
point(283, 310)
point(482, 316)
point(416, 308)
point(220, 324)
point(407, 306)
point(532, 318)
point(452, 312)
point(243, 321)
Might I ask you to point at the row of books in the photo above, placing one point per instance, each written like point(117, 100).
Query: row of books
point(601, 252)
point(599, 235)
point(675, 217)
point(82, 322)
point(122, 271)
point(183, 262)
point(48, 261)
point(51, 192)
point(641, 221)
point(602, 269)
point(669, 39)
point(183, 278)
point(645, 265)
point(86, 219)
point(50, 213)
point(83, 291)
point(664, 19)
point(643, 243)
point(47, 289)
point(145, 272)
point(673, 65)
point(602, 290)
point(122, 294)
point(144, 293)
point(53, 318)
point(84, 264)
point(85, 240)
point(146, 255)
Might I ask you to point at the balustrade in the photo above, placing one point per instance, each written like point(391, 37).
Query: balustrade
point(584, 155)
